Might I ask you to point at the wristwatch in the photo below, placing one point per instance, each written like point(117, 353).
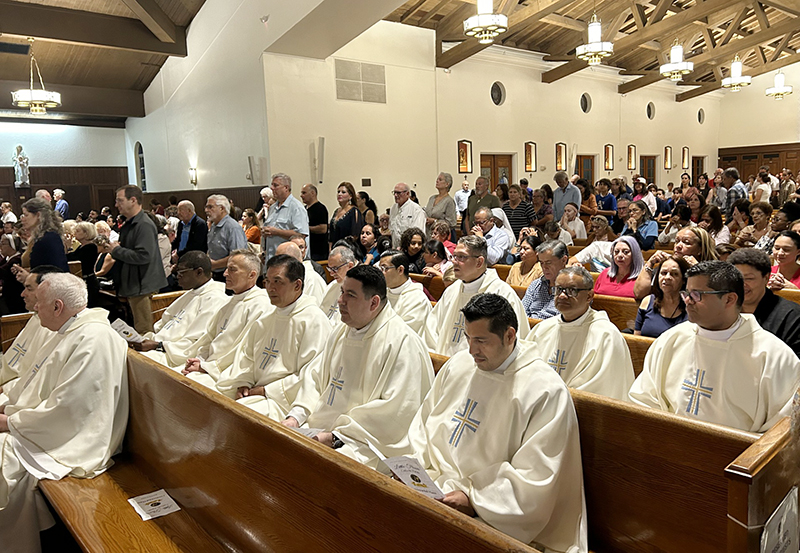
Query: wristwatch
point(160, 347)
point(337, 442)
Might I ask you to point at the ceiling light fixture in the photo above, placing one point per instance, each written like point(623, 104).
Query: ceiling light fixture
point(736, 81)
point(37, 100)
point(677, 67)
point(486, 25)
point(595, 50)
point(779, 88)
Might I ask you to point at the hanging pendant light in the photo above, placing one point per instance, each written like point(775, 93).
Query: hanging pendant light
point(36, 99)
point(677, 67)
point(595, 49)
point(736, 81)
point(486, 25)
point(779, 88)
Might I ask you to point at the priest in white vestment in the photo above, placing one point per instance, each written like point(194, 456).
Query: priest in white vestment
point(68, 417)
point(720, 366)
point(586, 350)
point(340, 260)
point(444, 327)
point(406, 296)
point(185, 321)
point(371, 377)
point(499, 435)
point(266, 369)
point(313, 285)
point(214, 351)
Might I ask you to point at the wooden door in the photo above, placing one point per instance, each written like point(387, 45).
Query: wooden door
point(698, 167)
point(774, 160)
point(584, 167)
point(748, 165)
point(496, 168)
point(647, 168)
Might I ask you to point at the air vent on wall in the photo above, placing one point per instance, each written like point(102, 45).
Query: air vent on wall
point(360, 82)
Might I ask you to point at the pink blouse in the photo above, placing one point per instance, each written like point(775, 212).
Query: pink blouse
point(610, 287)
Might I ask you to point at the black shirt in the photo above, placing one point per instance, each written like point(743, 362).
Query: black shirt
point(318, 215)
point(781, 317)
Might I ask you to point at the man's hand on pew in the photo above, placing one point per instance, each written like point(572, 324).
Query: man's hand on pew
point(192, 365)
point(291, 422)
point(145, 345)
point(244, 391)
point(325, 438)
point(459, 501)
point(3, 423)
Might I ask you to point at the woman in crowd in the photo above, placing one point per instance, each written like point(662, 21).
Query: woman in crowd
point(383, 222)
point(639, 190)
point(543, 211)
point(640, 226)
point(268, 199)
point(779, 223)
point(412, 242)
point(664, 308)
point(696, 202)
point(679, 220)
point(46, 244)
point(571, 223)
point(626, 264)
point(718, 195)
point(619, 190)
point(740, 218)
point(588, 207)
point(369, 239)
point(68, 235)
point(600, 230)
point(437, 263)
point(548, 193)
point(367, 207)
point(520, 213)
point(702, 186)
point(711, 222)
point(763, 188)
point(441, 231)
point(787, 187)
point(760, 212)
point(164, 245)
point(441, 205)
point(86, 253)
point(347, 219)
point(786, 274)
point(250, 225)
point(527, 269)
point(501, 191)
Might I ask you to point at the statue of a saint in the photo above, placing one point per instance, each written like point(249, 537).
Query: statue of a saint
point(21, 172)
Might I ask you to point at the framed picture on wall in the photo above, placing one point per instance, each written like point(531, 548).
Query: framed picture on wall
point(685, 159)
point(464, 156)
point(530, 157)
point(608, 157)
point(667, 158)
point(561, 156)
point(631, 157)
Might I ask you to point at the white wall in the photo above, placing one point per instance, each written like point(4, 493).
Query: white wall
point(63, 145)
point(778, 122)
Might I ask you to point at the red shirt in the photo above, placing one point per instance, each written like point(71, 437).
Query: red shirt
point(795, 277)
point(610, 287)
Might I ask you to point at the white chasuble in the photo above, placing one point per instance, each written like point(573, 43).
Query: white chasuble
point(745, 382)
point(274, 351)
point(410, 303)
point(225, 332)
point(330, 303)
point(509, 440)
point(20, 356)
point(367, 385)
point(185, 321)
point(313, 284)
point(69, 419)
point(588, 353)
point(444, 328)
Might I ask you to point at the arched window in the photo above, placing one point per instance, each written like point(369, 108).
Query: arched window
point(141, 180)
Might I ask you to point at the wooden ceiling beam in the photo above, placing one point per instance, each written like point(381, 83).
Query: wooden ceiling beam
point(788, 6)
point(660, 11)
point(781, 46)
point(84, 100)
point(154, 19)
point(639, 17)
point(425, 18)
point(612, 28)
point(85, 28)
point(565, 22)
point(734, 26)
point(763, 22)
point(410, 12)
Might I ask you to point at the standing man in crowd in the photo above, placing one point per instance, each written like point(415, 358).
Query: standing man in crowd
point(224, 236)
point(192, 232)
point(61, 204)
point(481, 198)
point(564, 193)
point(462, 203)
point(404, 214)
point(736, 190)
point(286, 216)
point(44, 195)
point(317, 223)
point(141, 272)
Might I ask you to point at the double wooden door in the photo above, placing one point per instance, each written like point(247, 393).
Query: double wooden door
point(497, 168)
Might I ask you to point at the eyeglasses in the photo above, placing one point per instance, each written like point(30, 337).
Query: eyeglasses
point(569, 292)
point(697, 295)
point(386, 268)
point(334, 269)
point(463, 258)
point(397, 193)
point(179, 272)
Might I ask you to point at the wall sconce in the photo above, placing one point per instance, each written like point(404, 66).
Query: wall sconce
point(193, 176)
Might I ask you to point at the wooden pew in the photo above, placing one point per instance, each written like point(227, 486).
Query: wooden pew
point(245, 483)
point(791, 295)
point(160, 302)
point(433, 284)
point(502, 271)
point(75, 268)
point(11, 326)
point(621, 311)
point(328, 276)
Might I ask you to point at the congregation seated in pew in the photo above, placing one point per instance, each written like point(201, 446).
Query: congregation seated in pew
point(527, 269)
point(626, 264)
point(512, 458)
point(406, 296)
point(539, 302)
point(720, 366)
point(664, 308)
point(581, 344)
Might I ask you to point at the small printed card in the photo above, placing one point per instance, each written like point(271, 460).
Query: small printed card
point(410, 472)
point(155, 504)
point(309, 432)
point(126, 331)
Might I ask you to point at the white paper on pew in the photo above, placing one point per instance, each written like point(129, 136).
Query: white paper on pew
point(126, 331)
point(153, 505)
point(410, 472)
point(780, 531)
point(309, 432)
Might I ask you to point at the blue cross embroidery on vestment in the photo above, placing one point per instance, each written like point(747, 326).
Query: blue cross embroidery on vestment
point(35, 370)
point(336, 384)
point(175, 320)
point(19, 352)
point(558, 361)
point(465, 421)
point(458, 329)
point(270, 352)
point(223, 327)
point(332, 311)
point(696, 391)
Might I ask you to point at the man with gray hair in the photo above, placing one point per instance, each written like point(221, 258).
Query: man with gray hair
point(341, 260)
point(62, 206)
point(224, 235)
point(586, 350)
point(68, 416)
point(404, 214)
point(285, 217)
point(444, 327)
point(497, 239)
point(539, 300)
point(43, 194)
point(565, 193)
point(192, 232)
point(313, 284)
point(736, 190)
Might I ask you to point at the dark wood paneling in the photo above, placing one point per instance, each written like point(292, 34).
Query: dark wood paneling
point(242, 197)
point(747, 159)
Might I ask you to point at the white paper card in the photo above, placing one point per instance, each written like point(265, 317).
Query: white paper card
point(309, 432)
point(411, 473)
point(126, 331)
point(152, 505)
point(780, 532)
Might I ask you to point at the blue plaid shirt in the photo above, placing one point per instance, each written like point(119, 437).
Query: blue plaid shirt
point(538, 302)
point(735, 193)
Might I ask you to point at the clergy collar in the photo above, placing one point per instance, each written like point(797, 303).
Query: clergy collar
point(359, 333)
point(577, 322)
point(402, 288)
point(510, 359)
point(288, 309)
point(71, 321)
point(474, 286)
point(240, 297)
point(720, 335)
point(202, 287)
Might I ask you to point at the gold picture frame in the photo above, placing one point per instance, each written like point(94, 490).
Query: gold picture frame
point(667, 158)
point(530, 157)
point(685, 159)
point(608, 157)
point(464, 156)
point(631, 157)
point(561, 156)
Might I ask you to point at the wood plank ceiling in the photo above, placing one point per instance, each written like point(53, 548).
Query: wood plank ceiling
point(764, 33)
point(100, 54)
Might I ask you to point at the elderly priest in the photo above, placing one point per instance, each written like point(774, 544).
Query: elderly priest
point(67, 417)
point(499, 435)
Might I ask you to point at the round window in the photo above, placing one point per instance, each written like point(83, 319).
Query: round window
point(498, 93)
point(651, 111)
point(701, 116)
point(586, 103)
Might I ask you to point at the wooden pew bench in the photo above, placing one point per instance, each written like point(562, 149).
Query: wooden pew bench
point(160, 302)
point(245, 483)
